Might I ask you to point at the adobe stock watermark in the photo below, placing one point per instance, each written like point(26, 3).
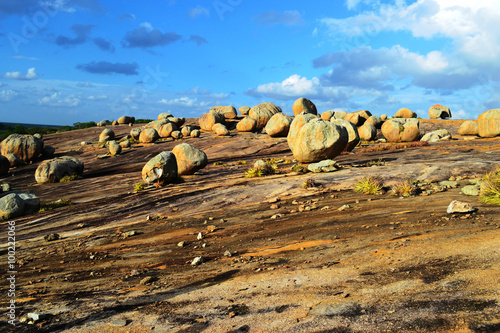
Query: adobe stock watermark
point(223, 6)
point(11, 272)
point(33, 24)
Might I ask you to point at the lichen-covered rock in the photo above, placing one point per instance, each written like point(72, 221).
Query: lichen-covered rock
point(103, 123)
point(195, 133)
point(246, 124)
point(469, 127)
point(189, 159)
point(296, 125)
point(439, 111)
point(263, 112)
point(327, 115)
point(186, 131)
point(489, 123)
point(125, 120)
point(27, 147)
point(339, 114)
point(352, 131)
point(401, 130)
point(228, 111)
point(319, 140)
point(367, 132)
point(364, 115)
point(114, 148)
point(156, 124)
point(52, 171)
point(106, 135)
point(11, 205)
point(178, 121)
point(279, 125)
point(383, 117)
point(220, 130)
point(244, 110)
point(161, 168)
point(176, 135)
point(375, 121)
point(208, 120)
point(164, 115)
point(4, 165)
point(148, 135)
point(135, 133)
point(167, 129)
point(125, 144)
point(304, 105)
point(323, 166)
point(405, 113)
point(14, 160)
point(354, 118)
point(436, 136)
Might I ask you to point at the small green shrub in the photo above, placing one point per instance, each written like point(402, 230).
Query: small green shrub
point(490, 189)
point(309, 183)
point(369, 185)
point(241, 162)
point(299, 168)
point(379, 162)
point(404, 189)
point(69, 178)
point(254, 172)
point(139, 186)
point(218, 163)
point(54, 204)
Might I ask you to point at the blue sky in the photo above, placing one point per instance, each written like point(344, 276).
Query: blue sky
point(66, 61)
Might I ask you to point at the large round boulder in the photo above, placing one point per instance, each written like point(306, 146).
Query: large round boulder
point(220, 130)
point(304, 105)
point(135, 133)
point(489, 123)
point(27, 147)
point(228, 111)
point(367, 132)
point(167, 129)
point(156, 124)
point(469, 128)
point(208, 120)
point(364, 115)
point(103, 123)
point(244, 110)
point(436, 136)
point(279, 125)
point(263, 112)
point(405, 113)
point(114, 148)
point(327, 115)
point(246, 124)
point(186, 131)
point(352, 131)
point(125, 120)
point(439, 111)
point(375, 121)
point(164, 115)
point(401, 130)
point(354, 118)
point(296, 125)
point(319, 140)
point(106, 135)
point(148, 135)
point(161, 168)
point(178, 121)
point(52, 171)
point(11, 205)
point(340, 114)
point(189, 159)
point(195, 133)
point(14, 160)
point(4, 165)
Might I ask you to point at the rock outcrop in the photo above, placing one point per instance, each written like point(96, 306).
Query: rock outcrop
point(244, 110)
point(14, 160)
point(227, 111)
point(27, 147)
point(167, 129)
point(246, 124)
point(263, 112)
point(296, 125)
point(125, 120)
point(208, 120)
point(114, 148)
point(304, 105)
point(161, 168)
point(405, 113)
point(220, 130)
point(52, 171)
point(106, 135)
point(469, 128)
point(189, 159)
point(279, 125)
point(367, 132)
point(148, 135)
point(401, 130)
point(489, 123)
point(439, 111)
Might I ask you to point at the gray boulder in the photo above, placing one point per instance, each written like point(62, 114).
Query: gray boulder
point(279, 125)
point(27, 147)
point(161, 168)
point(11, 205)
point(189, 159)
point(51, 171)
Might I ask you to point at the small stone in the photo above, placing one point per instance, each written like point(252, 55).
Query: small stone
point(211, 228)
point(274, 206)
point(460, 207)
point(147, 280)
point(181, 244)
point(344, 207)
point(228, 253)
point(130, 233)
point(472, 190)
point(274, 217)
point(119, 322)
point(51, 237)
point(36, 316)
point(197, 261)
point(200, 236)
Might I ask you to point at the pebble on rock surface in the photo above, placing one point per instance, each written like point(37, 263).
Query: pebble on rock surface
point(460, 207)
point(197, 261)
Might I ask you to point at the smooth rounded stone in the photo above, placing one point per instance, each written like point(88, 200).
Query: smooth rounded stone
point(195, 133)
point(164, 115)
point(439, 111)
point(161, 168)
point(296, 125)
point(178, 121)
point(338, 308)
point(401, 130)
point(125, 120)
point(135, 133)
point(460, 207)
point(367, 132)
point(186, 131)
point(246, 124)
point(189, 159)
point(488, 123)
point(220, 130)
point(125, 144)
point(383, 117)
point(323, 166)
point(148, 135)
point(208, 120)
point(364, 115)
point(469, 128)
point(340, 114)
point(405, 113)
point(114, 148)
point(52, 171)
point(353, 118)
point(319, 140)
point(4, 165)
point(103, 123)
point(176, 135)
point(11, 205)
point(304, 105)
point(197, 261)
point(167, 129)
point(228, 111)
point(27, 147)
point(244, 110)
point(156, 124)
point(327, 115)
point(279, 125)
point(472, 190)
point(106, 135)
point(31, 202)
point(375, 121)
point(448, 184)
point(263, 112)
point(436, 136)
point(14, 161)
point(352, 131)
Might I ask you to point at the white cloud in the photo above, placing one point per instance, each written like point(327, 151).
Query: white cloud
point(294, 85)
point(56, 100)
point(7, 95)
point(147, 25)
point(30, 75)
point(97, 98)
point(184, 102)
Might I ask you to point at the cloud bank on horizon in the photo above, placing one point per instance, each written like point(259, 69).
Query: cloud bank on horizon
point(67, 61)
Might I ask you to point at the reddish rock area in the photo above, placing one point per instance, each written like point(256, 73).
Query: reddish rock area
point(277, 257)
